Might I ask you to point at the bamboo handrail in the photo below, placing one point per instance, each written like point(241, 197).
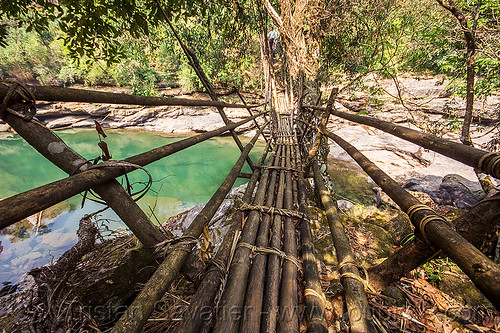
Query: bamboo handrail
point(488, 163)
point(62, 94)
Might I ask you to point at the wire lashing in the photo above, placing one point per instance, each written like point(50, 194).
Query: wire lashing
point(28, 98)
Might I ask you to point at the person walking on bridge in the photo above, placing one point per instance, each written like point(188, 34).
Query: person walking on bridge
point(272, 37)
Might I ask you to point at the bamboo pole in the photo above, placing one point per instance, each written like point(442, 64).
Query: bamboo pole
point(314, 297)
point(61, 94)
point(288, 320)
point(56, 151)
point(273, 277)
point(193, 61)
point(476, 158)
point(251, 114)
point(143, 305)
point(229, 310)
point(255, 290)
point(19, 206)
point(360, 318)
point(482, 271)
point(322, 126)
point(202, 303)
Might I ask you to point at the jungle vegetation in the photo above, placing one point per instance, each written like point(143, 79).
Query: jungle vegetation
point(127, 42)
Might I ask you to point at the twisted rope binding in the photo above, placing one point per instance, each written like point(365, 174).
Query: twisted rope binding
point(216, 265)
point(178, 243)
point(319, 295)
point(425, 220)
point(277, 168)
point(25, 94)
point(265, 250)
point(365, 281)
point(273, 210)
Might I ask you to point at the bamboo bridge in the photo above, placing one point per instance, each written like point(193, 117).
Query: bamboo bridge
point(252, 284)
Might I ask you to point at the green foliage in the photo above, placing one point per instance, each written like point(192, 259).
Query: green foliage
point(144, 82)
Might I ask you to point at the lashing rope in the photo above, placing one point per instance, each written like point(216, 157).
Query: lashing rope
point(422, 223)
point(265, 250)
point(178, 243)
point(273, 210)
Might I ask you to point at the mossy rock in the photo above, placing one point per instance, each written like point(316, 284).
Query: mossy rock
point(349, 183)
point(108, 289)
point(456, 284)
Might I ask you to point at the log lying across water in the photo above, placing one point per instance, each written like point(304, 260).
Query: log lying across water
point(488, 163)
point(134, 319)
point(19, 206)
point(482, 271)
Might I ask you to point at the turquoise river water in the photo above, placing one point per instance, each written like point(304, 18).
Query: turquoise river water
point(181, 181)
